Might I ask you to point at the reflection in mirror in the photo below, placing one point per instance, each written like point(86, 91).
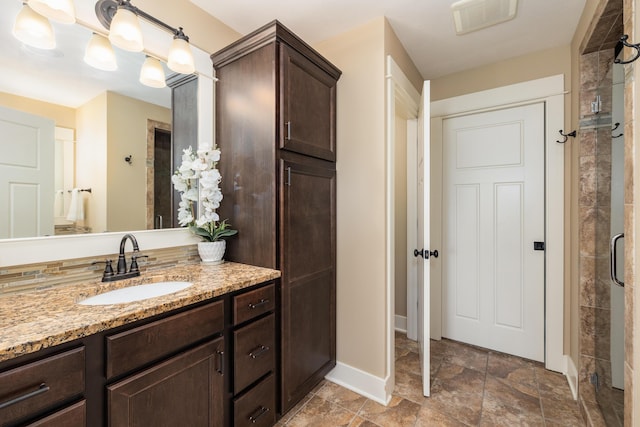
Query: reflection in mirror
point(66, 125)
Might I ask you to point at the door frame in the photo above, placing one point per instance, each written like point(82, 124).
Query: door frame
point(398, 89)
point(550, 91)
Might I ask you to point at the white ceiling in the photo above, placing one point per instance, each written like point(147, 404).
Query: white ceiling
point(425, 27)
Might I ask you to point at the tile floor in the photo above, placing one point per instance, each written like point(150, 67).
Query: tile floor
point(470, 387)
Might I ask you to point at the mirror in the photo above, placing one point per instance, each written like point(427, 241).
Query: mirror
point(104, 124)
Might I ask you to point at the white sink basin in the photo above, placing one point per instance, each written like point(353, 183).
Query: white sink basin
point(136, 293)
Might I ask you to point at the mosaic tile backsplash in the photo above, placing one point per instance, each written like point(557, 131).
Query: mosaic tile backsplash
point(45, 275)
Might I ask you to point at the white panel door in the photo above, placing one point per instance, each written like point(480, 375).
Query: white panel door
point(424, 290)
point(493, 212)
point(26, 174)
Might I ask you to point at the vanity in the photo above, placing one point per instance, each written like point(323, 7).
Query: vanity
point(205, 355)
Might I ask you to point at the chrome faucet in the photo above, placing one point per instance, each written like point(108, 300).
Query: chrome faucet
point(121, 269)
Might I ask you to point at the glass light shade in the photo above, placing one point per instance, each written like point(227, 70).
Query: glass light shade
point(152, 73)
point(33, 29)
point(99, 53)
point(180, 58)
point(59, 10)
point(125, 30)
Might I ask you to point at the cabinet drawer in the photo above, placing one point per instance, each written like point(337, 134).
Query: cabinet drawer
point(253, 303)
point(254, 352)
point(258, 406)
point(42, 385)
point(72, 416)
point(131, 349)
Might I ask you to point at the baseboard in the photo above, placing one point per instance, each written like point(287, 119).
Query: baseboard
point(401, 323)
point(363, 383)
point(572, 377)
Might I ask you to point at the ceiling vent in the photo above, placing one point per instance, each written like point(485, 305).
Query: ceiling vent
point(472, 15)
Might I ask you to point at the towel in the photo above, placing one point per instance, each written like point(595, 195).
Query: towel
point(76, 207)
point(58, 204)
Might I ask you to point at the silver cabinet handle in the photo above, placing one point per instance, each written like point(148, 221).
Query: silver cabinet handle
point(220, 368)
point(288, 130)
point(257, 414)
point(614, 258)
point(255, 305)
point(258, 351)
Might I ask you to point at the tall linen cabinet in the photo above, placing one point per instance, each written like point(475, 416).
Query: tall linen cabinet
point(276, 128)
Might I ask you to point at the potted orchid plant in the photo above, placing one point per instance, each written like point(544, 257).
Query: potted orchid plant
point(197, 180)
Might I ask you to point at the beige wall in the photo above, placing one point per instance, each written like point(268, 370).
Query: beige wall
point(516, 70)
point(361, 303)
point(91, 154)
point(63, 116)
point(127, 135)
point(393, 47)
point(204, 31)
point(362, 317)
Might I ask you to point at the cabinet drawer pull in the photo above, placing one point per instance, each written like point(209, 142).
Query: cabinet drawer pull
point(288, 130)
point(258, 351)
point(258, 304)
point(257, 414)
point(220, 368)
point(42, 388)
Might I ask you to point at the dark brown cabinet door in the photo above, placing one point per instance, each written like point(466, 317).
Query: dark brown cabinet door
point(308, 276)
point(186, 390)
point(308, 96)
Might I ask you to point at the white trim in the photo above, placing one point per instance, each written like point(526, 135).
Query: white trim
point(363, 383)
point(401, 323)
point(572, 377)
point(505, 95)
point(412, 238)
point(549, 90)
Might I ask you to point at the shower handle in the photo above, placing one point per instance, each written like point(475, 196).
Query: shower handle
point(614, 258)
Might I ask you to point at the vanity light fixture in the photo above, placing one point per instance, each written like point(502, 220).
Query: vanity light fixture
point(59, 10)
point(99, 53)
point(121, 17)
point(33, 29)
point(152, 73)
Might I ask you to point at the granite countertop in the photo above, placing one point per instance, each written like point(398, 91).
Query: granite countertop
point(34, 320)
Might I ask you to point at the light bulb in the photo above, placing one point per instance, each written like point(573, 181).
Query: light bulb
point(180, 58)
point(152, 73)
point(59, 10)
point(125, 30)
point(99, 53)
point(33, 29)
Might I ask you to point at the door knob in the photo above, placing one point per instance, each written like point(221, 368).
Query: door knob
point(425, 253)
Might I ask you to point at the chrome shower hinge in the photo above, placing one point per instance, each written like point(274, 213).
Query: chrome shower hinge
point(595, 381)
point(596, 106)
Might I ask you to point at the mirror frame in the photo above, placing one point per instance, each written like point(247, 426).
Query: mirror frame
point(46, 249)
